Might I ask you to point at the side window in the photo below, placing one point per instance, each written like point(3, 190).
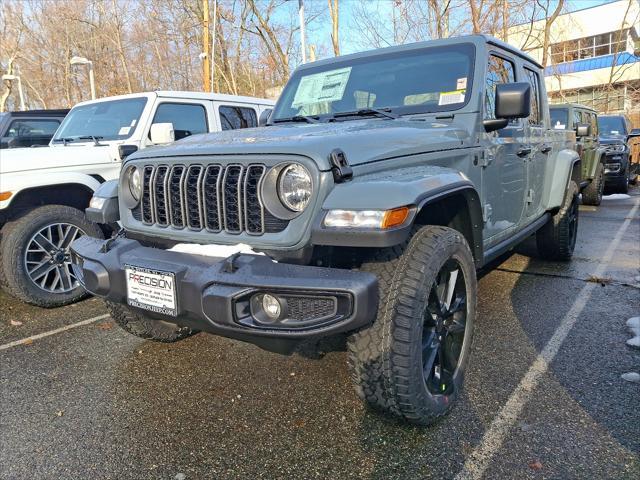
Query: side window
point(594, 125)
point(232, 118)
point(33, 128)
point(187, 118)
point(534, 117)
point(499, 70)
point(577, 118)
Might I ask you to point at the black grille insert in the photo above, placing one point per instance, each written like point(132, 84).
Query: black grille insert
point(212, 197)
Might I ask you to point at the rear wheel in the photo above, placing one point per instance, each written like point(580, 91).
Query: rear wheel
point(145, 327)
point(556, 240)
point(34, 255)
point(411, 361)
point(592, 194)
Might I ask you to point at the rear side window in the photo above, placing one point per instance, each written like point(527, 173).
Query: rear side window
point(594, 124)
point(535, 117)
point(187, 118)
point(499, 70)
point(33, 128)
point(232, 118)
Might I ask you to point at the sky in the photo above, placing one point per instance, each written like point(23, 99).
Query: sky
point(319, 32)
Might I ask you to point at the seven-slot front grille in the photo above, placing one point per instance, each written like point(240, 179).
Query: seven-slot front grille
point(218, 198)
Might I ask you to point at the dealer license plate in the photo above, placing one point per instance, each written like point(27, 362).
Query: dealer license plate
point(152, 290)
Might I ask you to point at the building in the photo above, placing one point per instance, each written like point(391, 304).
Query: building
point(593, 56)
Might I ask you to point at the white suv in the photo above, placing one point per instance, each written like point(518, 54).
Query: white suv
point(44, 191)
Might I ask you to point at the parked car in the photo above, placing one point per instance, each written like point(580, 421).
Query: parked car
point(44, 191)
point(615, 133)
point(31, 128)
point(383, 180)
point(583, 121)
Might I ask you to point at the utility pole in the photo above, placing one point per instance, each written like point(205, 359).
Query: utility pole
point(206, 56)
point(213, 45)
point(302, 39)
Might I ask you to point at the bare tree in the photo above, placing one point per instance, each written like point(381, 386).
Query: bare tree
point(335, 17)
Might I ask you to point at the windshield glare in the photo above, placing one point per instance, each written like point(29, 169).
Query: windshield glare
point(559, 118)
point(433, 79)
point(111, 120)
point(611, 126)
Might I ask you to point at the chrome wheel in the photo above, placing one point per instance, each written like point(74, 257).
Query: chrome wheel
point(46, 258)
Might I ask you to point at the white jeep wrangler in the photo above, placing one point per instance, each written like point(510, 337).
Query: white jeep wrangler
point(44, 191)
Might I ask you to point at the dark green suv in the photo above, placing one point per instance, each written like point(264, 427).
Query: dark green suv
point(584, 122)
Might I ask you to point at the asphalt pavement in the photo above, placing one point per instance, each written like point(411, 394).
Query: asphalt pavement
point(544, 396)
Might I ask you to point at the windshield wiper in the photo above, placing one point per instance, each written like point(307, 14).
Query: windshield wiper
point(96, 139)
point(365, 112)
point(297, 118)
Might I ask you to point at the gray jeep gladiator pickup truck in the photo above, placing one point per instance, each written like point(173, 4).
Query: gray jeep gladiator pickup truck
point(382, 181)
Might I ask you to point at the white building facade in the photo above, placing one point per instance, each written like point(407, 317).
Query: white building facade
point(593, 56)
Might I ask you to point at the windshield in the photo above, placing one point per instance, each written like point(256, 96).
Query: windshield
point(111, 120)
point(559, 118)
point(432, 79)
point(611, 126)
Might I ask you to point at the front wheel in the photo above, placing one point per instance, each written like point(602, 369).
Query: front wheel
point(34, 255)
point(145, 327)
point(592, 194)
point(411, 361)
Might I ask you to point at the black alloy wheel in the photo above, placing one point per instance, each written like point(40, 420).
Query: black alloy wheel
point(443, 329)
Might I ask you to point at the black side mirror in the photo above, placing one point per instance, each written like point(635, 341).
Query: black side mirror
point(634, 133)
point(264, 117)
point(583, 130)
point(513, 100)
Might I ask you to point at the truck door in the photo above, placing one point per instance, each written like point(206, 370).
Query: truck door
point(503, 171)
point(539, 150)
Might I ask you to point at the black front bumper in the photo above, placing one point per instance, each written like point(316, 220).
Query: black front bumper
point(615, 167)
point(218, 295)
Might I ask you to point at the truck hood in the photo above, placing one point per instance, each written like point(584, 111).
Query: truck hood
point(15, 160)
point(612, 139)
point(362, 141)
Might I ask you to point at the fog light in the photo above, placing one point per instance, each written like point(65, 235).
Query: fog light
point(271, 306)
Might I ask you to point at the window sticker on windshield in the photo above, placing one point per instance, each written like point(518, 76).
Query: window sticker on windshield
point(124, 131)
point(322, 87)
point(559, 126)
point(449, 98)
point(461, 84)
point(133, 122)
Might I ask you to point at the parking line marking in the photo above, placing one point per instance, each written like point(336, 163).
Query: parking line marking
point(478, 461)
point(52, 332)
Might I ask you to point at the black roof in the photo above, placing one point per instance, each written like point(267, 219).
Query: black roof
point(40, 113)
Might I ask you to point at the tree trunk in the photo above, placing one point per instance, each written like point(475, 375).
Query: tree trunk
point(335, 17)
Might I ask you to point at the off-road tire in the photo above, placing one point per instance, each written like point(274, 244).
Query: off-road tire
point(623, 186)
point(592, 194)
point(556, 240)
point(16, 235)
point(147, 328)
point(386, 359)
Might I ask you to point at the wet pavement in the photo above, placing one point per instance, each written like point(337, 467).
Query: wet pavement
point(95, 402)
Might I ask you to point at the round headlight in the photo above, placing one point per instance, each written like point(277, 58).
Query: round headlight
point(294, 187)
point(135, 183)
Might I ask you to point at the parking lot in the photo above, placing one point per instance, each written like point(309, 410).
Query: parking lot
point(544, 395)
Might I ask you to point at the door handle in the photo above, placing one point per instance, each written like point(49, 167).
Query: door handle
point(545, 148)
point(524, 151)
